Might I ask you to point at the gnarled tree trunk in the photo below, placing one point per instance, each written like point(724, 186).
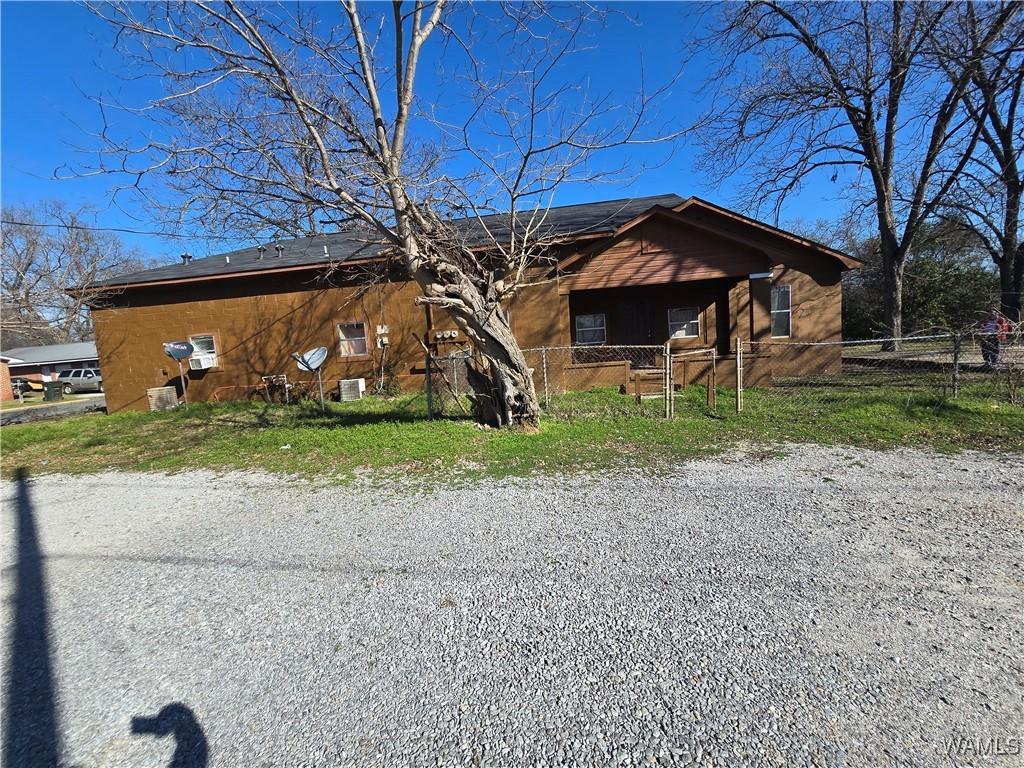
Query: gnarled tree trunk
point(505, 395)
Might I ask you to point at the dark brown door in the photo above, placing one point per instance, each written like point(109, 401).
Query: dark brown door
point(634, 324)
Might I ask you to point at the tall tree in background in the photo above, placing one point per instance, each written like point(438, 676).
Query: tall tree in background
point(948, 283)
point(303, 113)
point(47, 250)
point(987, 195)
point(850, 90)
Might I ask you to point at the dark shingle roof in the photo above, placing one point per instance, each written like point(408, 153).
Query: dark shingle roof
point(585, 218)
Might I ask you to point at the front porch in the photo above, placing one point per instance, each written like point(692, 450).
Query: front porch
point(695, 315)
point(617, 336)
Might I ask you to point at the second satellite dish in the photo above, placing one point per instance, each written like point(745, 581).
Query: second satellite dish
point(310, 360)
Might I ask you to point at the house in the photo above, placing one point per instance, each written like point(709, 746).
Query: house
point(6, 391)
point(44, 363)
point(628, 272)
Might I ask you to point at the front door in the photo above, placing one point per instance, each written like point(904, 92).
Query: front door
point(634, 326)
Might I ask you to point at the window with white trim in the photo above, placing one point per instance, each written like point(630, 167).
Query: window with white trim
point(782, 311)
point(351, 339)
point(686, 320)
point(591, 329)
point(204, 346)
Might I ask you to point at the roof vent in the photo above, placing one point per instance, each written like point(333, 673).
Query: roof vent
point(280, 249)
point(186, 258)
point(227, 259)
point(260, 251)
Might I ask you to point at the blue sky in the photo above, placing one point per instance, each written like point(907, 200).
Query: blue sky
point(55, 56)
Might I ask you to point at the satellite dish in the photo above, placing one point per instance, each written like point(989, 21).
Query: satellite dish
point(178, 350)
point(310, 360)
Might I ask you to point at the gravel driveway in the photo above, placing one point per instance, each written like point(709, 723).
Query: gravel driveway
point(830, 607)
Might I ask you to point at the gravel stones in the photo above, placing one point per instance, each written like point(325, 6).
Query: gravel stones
point(829, 607)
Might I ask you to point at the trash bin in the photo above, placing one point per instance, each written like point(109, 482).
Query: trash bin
point(52, 391)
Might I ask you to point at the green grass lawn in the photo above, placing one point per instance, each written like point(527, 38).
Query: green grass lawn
point(584, 430)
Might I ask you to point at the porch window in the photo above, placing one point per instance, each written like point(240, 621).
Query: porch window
point(205, 346)
point(591, 329)
point(351, 339)
point(686, 320)
point(782, 311)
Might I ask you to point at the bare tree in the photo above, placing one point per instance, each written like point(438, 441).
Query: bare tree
point(850, 90)
point(286, 118)
point(987, 194)
point(48, 250)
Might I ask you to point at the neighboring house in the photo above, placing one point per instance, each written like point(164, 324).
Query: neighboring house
point(629, 272)
point(6, 392)
point(44, 363)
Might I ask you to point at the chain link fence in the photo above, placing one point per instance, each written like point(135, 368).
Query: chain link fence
point(575, 380)
point(448, 383)
point(757, 378)
point(917, 371)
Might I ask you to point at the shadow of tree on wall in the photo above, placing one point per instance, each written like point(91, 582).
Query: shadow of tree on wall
point(31, 735)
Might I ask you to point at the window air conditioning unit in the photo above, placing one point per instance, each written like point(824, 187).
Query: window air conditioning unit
point(351, 389)
point(201, 362)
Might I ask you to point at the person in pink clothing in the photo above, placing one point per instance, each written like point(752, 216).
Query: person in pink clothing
point(994, 330)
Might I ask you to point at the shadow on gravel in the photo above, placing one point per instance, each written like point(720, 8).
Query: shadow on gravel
point(30, 718)
point(30, 709)
point(190, 750)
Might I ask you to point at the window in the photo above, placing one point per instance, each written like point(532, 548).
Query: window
point(686, 320)
point(590, 329)
point(204, 346)
point(782, 311)
point(351, 339)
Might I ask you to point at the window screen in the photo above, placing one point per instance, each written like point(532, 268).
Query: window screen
point(591, 329)
point(351, 339)
point(204, 346)
point(686, 320)
point(782, 311)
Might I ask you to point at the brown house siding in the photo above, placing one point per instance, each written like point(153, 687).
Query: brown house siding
point(255, 334)
point(6, 393)
point(258, 321)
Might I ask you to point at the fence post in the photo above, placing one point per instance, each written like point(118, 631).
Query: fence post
point(666, 379)
point(430, 388)
point(739, 375)
point(956, 364)
point(544, 365)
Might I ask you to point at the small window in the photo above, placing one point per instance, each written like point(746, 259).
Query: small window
point(591, 329)
point(204, 346)
point(351, 339)
point(76, 374)
point(686, 320)
point(782, 311)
